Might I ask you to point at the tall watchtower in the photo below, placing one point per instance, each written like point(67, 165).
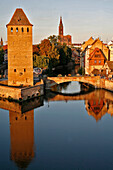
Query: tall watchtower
point(20, 61)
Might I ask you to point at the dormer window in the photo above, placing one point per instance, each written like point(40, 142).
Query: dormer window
point(11, 29)
point(17, 29)
point(22, 29)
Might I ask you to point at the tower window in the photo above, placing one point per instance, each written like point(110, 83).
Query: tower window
point(11, 29)
point(17, 29)
point(22, 29)
point(14, 70)
point(27, 29)
point(16, 118)
point(26, 80)
point(24, 69)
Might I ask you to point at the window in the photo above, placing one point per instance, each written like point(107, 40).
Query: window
point(99, 61)
point(27, 29)
point(26, 80)
point(24, 69)
point(17, 29)
point(14, 70)
point(22, 29)
point(95, 61)
point(16, 118)
point(11, 29)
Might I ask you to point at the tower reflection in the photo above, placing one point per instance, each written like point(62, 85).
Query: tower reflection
point(21, 118)
point(22, 137)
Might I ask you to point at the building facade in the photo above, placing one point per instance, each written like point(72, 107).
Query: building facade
point(103, 54)
point(96, 60)
point(20, 60)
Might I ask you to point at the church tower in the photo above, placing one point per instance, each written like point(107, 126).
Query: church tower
point(61, 27)
point(1, 42)
point(20, 60)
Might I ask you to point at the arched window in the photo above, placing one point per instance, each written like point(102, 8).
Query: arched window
point(11, 29)
point(17, 29)
point(27, 29)
point(22, 29)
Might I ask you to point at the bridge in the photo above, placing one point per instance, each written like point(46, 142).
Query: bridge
point(95, 81)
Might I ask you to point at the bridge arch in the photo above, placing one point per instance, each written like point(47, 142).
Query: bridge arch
point(94, 81)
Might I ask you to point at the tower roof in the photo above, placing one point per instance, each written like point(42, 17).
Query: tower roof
point(61, 21)
point(19, 18)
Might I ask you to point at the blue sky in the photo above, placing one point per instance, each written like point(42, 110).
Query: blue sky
point(81, 18)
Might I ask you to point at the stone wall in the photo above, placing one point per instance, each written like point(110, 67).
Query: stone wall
point(6, 92)
point(31, 92)
point(21, 93)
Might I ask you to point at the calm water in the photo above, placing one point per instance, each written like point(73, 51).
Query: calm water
point(66, 133)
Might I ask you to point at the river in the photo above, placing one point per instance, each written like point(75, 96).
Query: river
point(58, 132)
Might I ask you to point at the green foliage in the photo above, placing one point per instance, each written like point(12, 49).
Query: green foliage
point(53, 56)
point(65, 54)
point(53, 39)
point(40, 61)
point(1, 55)
point(49, 53)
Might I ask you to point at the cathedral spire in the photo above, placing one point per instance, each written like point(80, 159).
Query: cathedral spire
point(61, 20)
point(61, 27)
point(1, 42)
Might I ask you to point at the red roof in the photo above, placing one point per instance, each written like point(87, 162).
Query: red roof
point(19, 18)
point(94, 51)
point(5, 47)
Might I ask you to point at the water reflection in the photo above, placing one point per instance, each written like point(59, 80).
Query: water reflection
point(21, 118)
point(22, 138)
point(97, 103)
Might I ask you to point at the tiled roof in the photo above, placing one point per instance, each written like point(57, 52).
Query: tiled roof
point(5, 47)
point(19, 18)
point(110, 64)
point(94, 51)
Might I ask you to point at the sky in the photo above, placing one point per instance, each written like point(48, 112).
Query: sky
point(81, 18)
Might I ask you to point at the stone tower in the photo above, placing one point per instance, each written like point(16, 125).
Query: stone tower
point(20, 61)
point(61, 27)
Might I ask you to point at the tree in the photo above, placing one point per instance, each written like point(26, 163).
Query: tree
point(44, 47)
point(53, 56)
point(36, 49)
point(65, 54)
point(40, 61)
point(53, 39)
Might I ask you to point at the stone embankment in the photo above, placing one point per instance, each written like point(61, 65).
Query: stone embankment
point(20, 93)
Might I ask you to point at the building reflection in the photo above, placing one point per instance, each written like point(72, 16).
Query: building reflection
point(100, 104)
point(21, 118)
point(97, 103)
point(22, 138)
